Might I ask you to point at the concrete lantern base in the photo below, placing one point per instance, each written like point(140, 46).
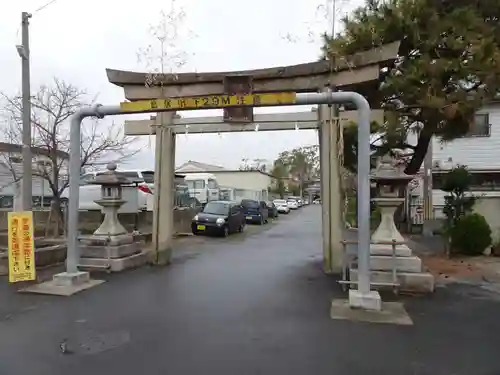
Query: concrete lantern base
point(64, 284)
point(409, 276)
point(366, 301)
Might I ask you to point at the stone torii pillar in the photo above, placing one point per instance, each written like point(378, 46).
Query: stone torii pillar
point(163, 206)
point(331, 205)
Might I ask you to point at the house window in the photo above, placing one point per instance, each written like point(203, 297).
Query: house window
point(480, 127)
point(481, 181)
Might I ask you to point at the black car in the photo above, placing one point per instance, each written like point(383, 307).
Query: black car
point(219, 217)
point(255, 211)
point(272, 209)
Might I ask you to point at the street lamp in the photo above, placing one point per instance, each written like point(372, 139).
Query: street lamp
point(21, 51)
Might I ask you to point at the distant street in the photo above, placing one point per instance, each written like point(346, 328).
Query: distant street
point(256, 304)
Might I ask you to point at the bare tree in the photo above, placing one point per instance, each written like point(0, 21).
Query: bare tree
point(166, 54)
point(253, 165)
point(52, 105)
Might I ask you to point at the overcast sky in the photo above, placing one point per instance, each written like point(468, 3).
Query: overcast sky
point(77, 40)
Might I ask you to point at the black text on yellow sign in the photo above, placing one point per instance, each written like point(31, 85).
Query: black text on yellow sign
point(209, 102)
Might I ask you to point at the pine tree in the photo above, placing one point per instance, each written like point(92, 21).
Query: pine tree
point(448, 65)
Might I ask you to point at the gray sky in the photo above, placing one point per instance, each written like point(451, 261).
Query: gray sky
point(76, 41)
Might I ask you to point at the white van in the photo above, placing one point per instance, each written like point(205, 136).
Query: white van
point(138, 196)
point(202, 186)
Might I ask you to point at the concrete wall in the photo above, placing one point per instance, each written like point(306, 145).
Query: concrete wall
point(489, 207)
point(89, 221)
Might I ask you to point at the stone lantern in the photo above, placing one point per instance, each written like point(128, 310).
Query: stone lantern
point(389, 179)
point(111, 247)
point(402, 269)
point(111, 200)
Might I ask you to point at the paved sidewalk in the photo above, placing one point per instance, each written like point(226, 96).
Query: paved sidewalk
point(258, 305)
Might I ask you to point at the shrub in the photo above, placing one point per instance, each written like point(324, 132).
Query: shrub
point(470, 235)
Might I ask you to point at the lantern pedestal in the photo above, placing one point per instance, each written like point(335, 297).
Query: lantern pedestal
point(111, 247)
point(387, 230)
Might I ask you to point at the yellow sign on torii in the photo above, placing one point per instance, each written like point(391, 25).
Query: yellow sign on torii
point(212, 101)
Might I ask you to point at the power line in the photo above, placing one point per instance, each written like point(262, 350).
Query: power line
point(36, 11)
point(44, 6)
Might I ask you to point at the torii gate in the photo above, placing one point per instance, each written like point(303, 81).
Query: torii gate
point(237, 93)
point(359, 73)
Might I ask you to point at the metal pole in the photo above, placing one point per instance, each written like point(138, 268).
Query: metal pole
point(72, 258)
point(24, 52)
point(302, 99)
point(427, 191)
point(363, 197)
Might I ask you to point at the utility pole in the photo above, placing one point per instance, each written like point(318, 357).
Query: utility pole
point(24, 52)
point(334, 12)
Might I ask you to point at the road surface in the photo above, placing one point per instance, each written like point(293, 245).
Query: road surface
point(254, 304)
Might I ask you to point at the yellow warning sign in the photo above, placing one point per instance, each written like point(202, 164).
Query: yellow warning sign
point(21, 246)
point(210, 102)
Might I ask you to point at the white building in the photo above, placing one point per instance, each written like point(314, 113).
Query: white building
point(479, 151)
point(11, 172)
point(238, 183)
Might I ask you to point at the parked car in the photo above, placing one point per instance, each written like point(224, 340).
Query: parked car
point(255, 212)
point(281, 206)
point(297, 199)
point(292, 204)
point(219, 217)
point(272, 209)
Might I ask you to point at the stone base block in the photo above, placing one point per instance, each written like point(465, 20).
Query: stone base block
point(408, 281)
point(101, 240)
point(53, 287)
point(403, 264)
point(110, 251)
point(69, 279)
point(391, 313)
point(386, 250)
point(115, 265)
point(366, 301)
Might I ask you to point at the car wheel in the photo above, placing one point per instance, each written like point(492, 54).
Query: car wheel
point(226, 231)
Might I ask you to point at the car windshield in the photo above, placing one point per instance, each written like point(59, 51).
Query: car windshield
point(250, 204)
point(291, 200)
point(195, 184)
point(216, 208)
point(279, 201)
point(148, 176)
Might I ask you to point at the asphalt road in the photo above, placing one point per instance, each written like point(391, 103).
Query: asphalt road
point(252, 304)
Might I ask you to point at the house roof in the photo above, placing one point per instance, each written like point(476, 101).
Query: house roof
point(205, 167)
point(17, 148)
point(227, 171)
